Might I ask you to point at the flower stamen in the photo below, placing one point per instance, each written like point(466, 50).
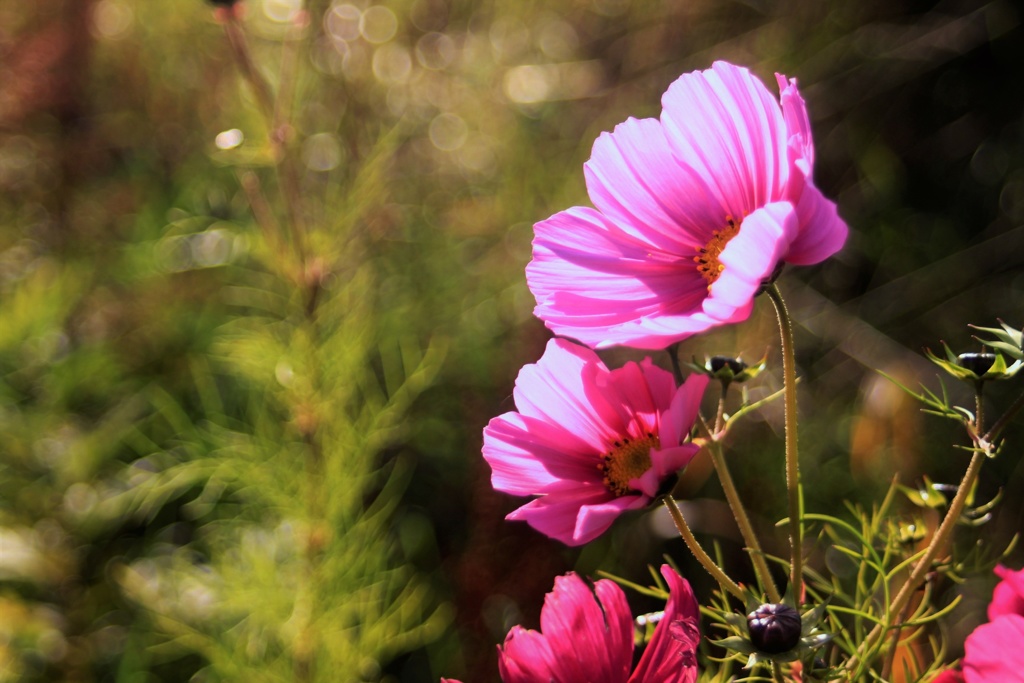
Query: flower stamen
point(628, 460)
point(707, 261)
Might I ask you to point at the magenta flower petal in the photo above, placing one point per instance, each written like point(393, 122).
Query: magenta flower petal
point(586, 636)
point(574, 621)
point(576, 517)
point(590, 442)
point(1008, 596)
point(671, 656)
point(993, 654)
point(798, 123)
point(693, 211)
point(526, 657)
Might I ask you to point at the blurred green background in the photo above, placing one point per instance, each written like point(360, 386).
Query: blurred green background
point(135, 368)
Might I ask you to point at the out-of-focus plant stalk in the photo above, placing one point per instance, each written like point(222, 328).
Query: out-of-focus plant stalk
point(698, 552)
point(279, 131)
point(277, 112)
point(796, 503)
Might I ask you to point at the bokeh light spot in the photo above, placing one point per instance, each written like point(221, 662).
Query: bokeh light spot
point(342, 22)
point(392, 63)
point(112, 19)
point(378, 24)
point(229, 139)
point(282, 10)
point(321, 152)
point(435, 51)
point(448, 132)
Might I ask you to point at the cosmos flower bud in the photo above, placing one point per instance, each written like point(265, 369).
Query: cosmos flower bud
point(733, 365)
point(774, 628)
point(222, 3)
point(978, 363)
point(975, 367)
point(727, 368)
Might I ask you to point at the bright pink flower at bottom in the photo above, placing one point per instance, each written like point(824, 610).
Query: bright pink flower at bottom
point(586, 636)
point(589, 441)
point(993, 654)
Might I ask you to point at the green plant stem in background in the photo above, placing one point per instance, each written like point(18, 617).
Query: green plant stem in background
point(743, 521)
point(698, 552)
point(796, 503)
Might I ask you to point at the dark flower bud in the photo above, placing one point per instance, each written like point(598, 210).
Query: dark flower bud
point(222, 3)
point(978, 363)
point(735, 365)
point(774, 628)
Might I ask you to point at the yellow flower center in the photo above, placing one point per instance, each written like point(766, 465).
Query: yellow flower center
point(707, 261)
point(628, 460)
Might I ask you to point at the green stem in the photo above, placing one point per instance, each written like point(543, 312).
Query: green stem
point(795, 494)
point(677, 369)
point(764, 574)
point(720, 415)
point(698, 552)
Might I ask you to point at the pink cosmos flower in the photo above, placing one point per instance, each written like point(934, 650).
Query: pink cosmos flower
point(693, 212)
point(586, 636)
point(589, 441)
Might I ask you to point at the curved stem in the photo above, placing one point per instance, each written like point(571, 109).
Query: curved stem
point(698, 552)
point(921, 569)
point(796, 503)
point(764, 574)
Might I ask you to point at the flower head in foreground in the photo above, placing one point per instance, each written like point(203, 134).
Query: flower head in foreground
point(586, 636)
point(992, 653)
point(693, 212)
point(591, 442)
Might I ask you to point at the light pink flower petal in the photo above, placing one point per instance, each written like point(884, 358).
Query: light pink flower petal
point(750, 257)
point(559, 389)
point(589, 279)
point(679, 419)
point(798, 123)
point(528, 455)
point(724, 124)
point(575, 626)
point(1008, 596)
point(822, 232)
point(671, 656)
point(993, 651)
point(526, 657)
point(633, 178)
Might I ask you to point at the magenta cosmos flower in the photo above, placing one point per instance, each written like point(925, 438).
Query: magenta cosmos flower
point(992, 653)
point(589, 441)
point(586, 636)
point(693, 212)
